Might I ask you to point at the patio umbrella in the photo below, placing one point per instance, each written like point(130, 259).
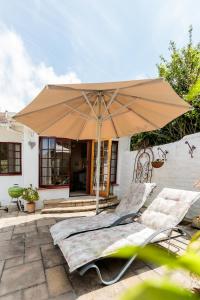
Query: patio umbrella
point(102, 111)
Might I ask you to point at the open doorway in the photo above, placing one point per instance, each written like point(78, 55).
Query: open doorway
point(80, 173)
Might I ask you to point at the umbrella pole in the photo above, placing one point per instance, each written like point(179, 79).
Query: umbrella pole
point(98, 164)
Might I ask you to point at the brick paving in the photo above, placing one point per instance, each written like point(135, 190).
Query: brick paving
point(31, 267)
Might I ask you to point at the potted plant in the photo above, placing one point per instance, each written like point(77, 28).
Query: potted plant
point(157, 163)
point(30, 195)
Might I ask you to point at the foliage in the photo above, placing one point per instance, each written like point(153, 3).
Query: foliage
point(182, 71)
point(30, 194)
point(164, 288)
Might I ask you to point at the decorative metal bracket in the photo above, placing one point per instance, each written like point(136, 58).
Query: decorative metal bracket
point(164, 153)
point(191, 148)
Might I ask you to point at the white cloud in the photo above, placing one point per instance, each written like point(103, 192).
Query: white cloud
point(20, 78)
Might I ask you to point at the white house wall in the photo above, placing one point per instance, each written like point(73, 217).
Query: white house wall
point(179, 171)
point(30, 166)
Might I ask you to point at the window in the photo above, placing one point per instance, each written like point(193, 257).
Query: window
point(10, 158)
point(113, 162)
point(54, 162)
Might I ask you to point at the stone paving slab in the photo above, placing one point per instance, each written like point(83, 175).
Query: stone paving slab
point(10, 249)
point(21, 277)
point(32, 254)
point(15, 261)
point(36, 239)
point(5, 236)
point(51, 256)
point(14, 296)
point(57, 281)
point(24, 229)
point(38, 292)
point(31, 267)
point(8, 228)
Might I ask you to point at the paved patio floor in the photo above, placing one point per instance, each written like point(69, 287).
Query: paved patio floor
point(31, 267)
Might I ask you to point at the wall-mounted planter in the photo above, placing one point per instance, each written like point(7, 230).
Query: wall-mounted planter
point(157, 163)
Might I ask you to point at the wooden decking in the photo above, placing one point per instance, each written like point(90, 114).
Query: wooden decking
point(31, 267)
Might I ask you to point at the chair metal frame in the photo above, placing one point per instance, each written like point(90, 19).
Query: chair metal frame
point(92, 265)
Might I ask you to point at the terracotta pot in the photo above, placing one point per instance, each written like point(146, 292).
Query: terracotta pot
point(157, 163)
point(30, 206)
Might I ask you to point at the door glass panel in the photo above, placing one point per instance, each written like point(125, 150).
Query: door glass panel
point(104, 167)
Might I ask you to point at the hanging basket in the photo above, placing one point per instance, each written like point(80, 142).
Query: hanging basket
point(157, 163)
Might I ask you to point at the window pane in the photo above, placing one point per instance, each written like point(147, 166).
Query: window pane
point(55, 162)
point(11, 147)
point(4, 151)
point(44, 143)
point(17, 154)
point(17, 147)
point(52, 143)
point(10, 154)
point(17, 169)
point(113, 164)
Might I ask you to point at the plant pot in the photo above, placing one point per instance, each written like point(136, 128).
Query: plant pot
point(157, 163)
point(30, 206)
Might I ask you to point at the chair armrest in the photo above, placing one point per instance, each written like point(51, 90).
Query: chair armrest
point(123, 218)
point(176, 228)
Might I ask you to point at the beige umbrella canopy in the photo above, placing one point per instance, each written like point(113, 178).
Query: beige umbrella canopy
point(102, 110)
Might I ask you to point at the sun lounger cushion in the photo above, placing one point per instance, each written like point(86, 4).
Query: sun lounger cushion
point(169, 208)
point(86, 247)
point(166, 211)
point(65, 228)
point(133, 201)
point(135, 198)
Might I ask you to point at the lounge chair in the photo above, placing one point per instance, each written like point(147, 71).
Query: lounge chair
point(81, 251)
point(128, 207)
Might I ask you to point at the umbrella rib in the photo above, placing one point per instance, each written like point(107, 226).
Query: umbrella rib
point(112, 121)
point(58, 119)
point(152, 100)
point(86, 121)
point(89, 103)
point(112, 98)
point(85, 116)
point(139, 115)
point(50, 106)
point(118, 111)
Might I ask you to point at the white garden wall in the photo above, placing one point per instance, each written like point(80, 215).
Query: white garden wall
point(179, 171)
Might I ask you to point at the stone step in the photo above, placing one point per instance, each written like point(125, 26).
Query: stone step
point(79, 201)
point(65, 209)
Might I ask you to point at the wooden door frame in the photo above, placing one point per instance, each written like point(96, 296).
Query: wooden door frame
point(88, 169)
point(104, 193)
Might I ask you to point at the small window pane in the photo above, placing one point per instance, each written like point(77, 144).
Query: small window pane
point(54, 162)
point(17, 147)
point(52, 143)
point(44, 143)
point(10, 158)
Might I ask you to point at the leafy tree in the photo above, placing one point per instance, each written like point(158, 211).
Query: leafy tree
point(182, 71)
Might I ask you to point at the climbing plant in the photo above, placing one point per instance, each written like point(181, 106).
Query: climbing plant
point(182, 71)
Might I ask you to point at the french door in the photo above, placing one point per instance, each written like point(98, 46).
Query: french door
point(104, 167)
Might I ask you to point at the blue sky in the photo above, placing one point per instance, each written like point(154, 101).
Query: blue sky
point(86, 40)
